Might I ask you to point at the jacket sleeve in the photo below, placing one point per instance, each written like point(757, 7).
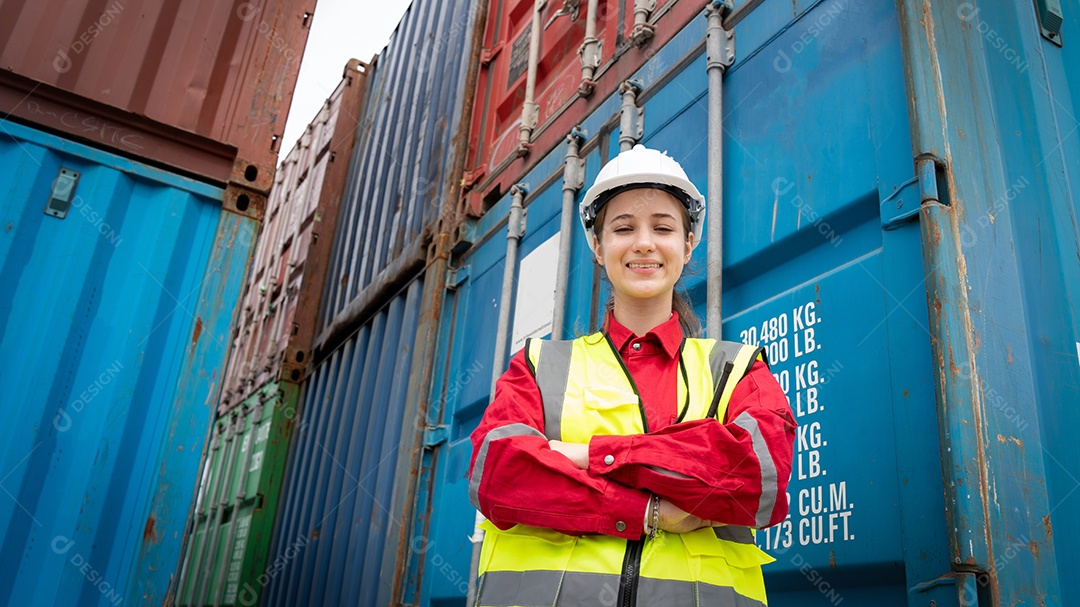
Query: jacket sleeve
point(734, 473)
point(516, 478)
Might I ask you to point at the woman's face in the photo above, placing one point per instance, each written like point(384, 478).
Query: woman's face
point(644, 243)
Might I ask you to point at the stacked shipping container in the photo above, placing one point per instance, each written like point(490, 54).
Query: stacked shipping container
point(899, 233)
point(230, 531)
point(347, 503)
point(139, 142)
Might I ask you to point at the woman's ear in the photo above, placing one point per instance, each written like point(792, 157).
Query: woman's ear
point(689, 248)
point(596, 251)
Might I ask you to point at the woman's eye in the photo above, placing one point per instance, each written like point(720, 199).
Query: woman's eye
point(622, 229)
point(664, 229)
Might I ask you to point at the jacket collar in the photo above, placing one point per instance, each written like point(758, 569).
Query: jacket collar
point(669, 333)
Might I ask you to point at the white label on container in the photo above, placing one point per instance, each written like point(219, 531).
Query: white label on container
point(535, 293)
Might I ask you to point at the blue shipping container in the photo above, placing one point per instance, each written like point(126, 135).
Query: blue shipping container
point(341, 524)
point(926, 339)
point(115, 321)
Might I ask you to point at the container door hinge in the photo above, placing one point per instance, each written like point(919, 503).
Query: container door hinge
point(922, 189)
point(435, 435)
point(456, 276)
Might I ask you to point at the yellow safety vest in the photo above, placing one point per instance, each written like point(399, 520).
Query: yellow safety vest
point(588, 392)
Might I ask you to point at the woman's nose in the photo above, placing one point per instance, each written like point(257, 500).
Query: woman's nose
point(643, 242)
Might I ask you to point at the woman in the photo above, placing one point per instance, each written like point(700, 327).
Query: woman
point(628, 466)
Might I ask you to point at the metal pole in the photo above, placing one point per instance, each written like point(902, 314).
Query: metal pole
point(207, 498)
point(216, 509)
point(530, 111)
point(631, 117)
point(515, 229)
point(590, 50)
point(256, 418)
point(643, 32)
point(720, 50)
point(573, 180)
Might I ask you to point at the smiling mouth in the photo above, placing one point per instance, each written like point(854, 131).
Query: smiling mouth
point(643, 265)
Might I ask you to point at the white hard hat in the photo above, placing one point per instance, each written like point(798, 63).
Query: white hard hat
point(641, 167)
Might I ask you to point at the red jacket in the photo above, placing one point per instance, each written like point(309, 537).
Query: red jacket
point(708, 469)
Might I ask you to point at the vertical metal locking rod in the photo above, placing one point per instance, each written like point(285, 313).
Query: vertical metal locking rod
point(643, 31)
point(204, 501)
point(590, 50)
point(720, 50)
point(216, 511)
point(530, 111)
point(573, 180)
point(249, 441)
point(631, 117)
point(515, 229)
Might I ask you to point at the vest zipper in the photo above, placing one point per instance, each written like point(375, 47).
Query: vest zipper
point(631, 573)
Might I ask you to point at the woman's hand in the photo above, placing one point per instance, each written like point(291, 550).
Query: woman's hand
point(578, 453)
point(676, 520)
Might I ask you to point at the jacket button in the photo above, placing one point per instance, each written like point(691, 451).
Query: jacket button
point(620, 526)
point(636, 345)
point(609, 459)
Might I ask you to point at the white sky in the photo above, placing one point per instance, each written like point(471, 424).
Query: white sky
point(340, 30)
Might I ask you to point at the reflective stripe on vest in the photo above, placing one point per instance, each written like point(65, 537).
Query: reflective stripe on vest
point(587, 392)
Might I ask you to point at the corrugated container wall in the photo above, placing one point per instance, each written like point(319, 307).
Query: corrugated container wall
point(140, 142)
point(409, 127)
point(276, 325)
point(270, 352)
point(575, 73)
point(900, 233)
point(112, 72)
point(342, 531)
point(115, 320)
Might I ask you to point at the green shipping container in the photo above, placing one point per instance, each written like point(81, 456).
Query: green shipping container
point(225, 561)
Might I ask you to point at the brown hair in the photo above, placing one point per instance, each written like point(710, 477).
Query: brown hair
point(688, 320)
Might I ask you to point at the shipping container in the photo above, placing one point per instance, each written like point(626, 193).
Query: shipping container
point(120, 283)
point(341, 526)
point(270, 348)
point(194, 86)
point(226, 550)
point(276, 325)
point(402, 164)
point(583, 55)
point(140, 141)
point(899, 232)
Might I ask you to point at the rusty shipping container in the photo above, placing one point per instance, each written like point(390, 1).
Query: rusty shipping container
point(139, 142)
point(276, 325)
point(229, 534)
point(582, 58)
point(895, 184)
point(344, 514)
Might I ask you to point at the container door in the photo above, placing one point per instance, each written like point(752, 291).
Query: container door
point(119, 287)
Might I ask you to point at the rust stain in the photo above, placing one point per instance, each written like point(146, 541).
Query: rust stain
point(1034, 548)
point(150, 531)
point(1049, 527)
point(832, 559)
point(1009, 357)
point(197, 332)
point(1010, 439)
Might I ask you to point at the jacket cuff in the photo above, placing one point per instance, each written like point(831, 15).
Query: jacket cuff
point(608, 453)
point(622, 511)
